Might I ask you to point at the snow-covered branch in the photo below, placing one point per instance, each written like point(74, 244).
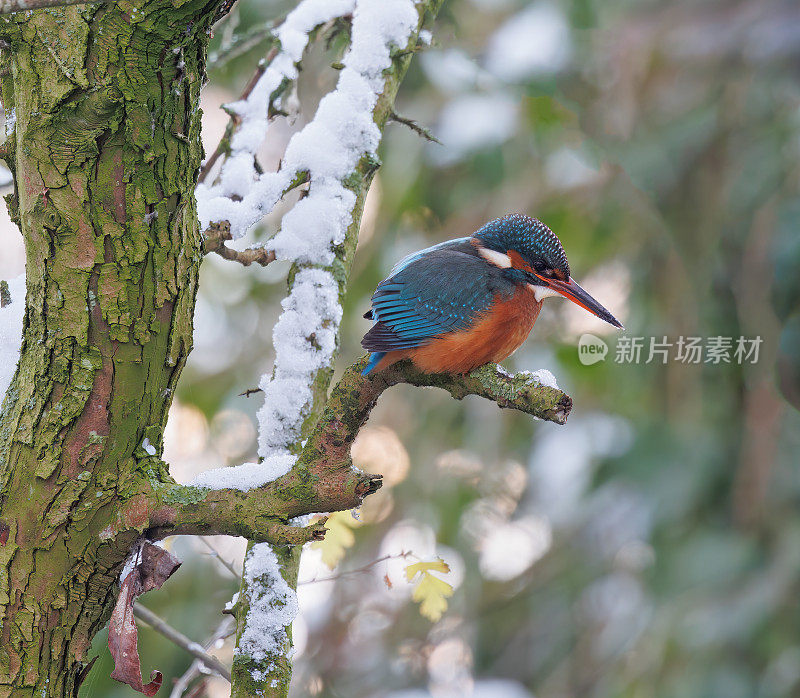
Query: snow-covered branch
point(239, 501)
point(8, 7)
point(336, 152)
point(12, 310)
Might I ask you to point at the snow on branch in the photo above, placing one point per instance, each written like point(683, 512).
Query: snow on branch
point(323, 477)
point(257, 195)
point(305, 339)
point(12, 310)
point(337, 153)
point(272, 611)
point(8, 7)
point(326, 455)
point(328, 151)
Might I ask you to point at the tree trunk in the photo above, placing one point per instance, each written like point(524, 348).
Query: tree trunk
point(105, 150)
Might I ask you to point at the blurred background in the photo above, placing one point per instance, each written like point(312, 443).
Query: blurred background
point(650, 547)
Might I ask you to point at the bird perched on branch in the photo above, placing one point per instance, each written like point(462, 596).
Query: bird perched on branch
point(469, 301)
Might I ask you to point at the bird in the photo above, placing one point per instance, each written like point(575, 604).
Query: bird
point(470, 301)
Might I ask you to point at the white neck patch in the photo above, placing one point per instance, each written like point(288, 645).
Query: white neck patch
point(503, 261)
point(542, 292)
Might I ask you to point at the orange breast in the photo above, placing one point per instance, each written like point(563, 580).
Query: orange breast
point(494, 337)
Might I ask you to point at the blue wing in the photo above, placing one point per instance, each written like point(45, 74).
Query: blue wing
point(442, 289)
point(459, 244)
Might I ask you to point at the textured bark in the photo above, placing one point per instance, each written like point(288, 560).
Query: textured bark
point(105, 153)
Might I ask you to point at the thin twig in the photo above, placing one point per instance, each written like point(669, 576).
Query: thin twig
point(415, 127)
point(225, 563)
point(365, 568)
point(178, 638)
point(250, 391)
point(214, 241)
point(224, 145)
point(199, 691)
point(246, 257)
point(8, 7)
point(241, 44)
point(224, 630)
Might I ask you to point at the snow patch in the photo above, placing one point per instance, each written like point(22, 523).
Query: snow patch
point(545, 377)
point(273, 606)
point(305, 340)
point(246, 476)
point(11, 332)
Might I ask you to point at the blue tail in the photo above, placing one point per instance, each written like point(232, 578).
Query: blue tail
point(374, 360)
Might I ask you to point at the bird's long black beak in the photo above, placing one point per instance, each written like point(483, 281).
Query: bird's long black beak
point(570, 289)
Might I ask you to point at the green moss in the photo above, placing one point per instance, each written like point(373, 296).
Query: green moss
point(183, 494)
point(98, 143)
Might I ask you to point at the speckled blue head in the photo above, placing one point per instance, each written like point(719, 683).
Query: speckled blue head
point(529, 237)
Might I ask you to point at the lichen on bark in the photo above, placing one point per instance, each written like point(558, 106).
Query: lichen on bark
point(105, 153)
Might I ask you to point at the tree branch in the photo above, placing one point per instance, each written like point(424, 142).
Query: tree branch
point(225, 629)
point(415, 127)
point(325, 460)
point(521, 391)
point(359, 570)
point(324, 479)
point(215, 239)
point(178, 638)
point(8, 7)
point(222, 561)
point(243, 43)
point(224, 146)
point(255, 514)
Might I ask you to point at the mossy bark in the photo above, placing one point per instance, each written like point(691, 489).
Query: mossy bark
point(105, 151)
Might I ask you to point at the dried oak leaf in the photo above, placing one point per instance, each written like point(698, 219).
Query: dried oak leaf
point(430, 592)
point(155, 567)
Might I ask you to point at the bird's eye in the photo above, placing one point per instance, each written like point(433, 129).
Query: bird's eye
point(539, 266)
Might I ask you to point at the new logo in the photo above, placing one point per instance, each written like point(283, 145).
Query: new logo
point(591, 349)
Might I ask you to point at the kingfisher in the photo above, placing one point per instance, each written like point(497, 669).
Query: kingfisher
point(470, 301)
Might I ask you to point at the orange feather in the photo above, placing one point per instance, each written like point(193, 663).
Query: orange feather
point(494, 337)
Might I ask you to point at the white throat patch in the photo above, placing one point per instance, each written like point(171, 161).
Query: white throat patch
point(542, 292)
point(503, 261)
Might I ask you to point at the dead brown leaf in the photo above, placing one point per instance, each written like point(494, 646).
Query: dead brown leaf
point(155, 567)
